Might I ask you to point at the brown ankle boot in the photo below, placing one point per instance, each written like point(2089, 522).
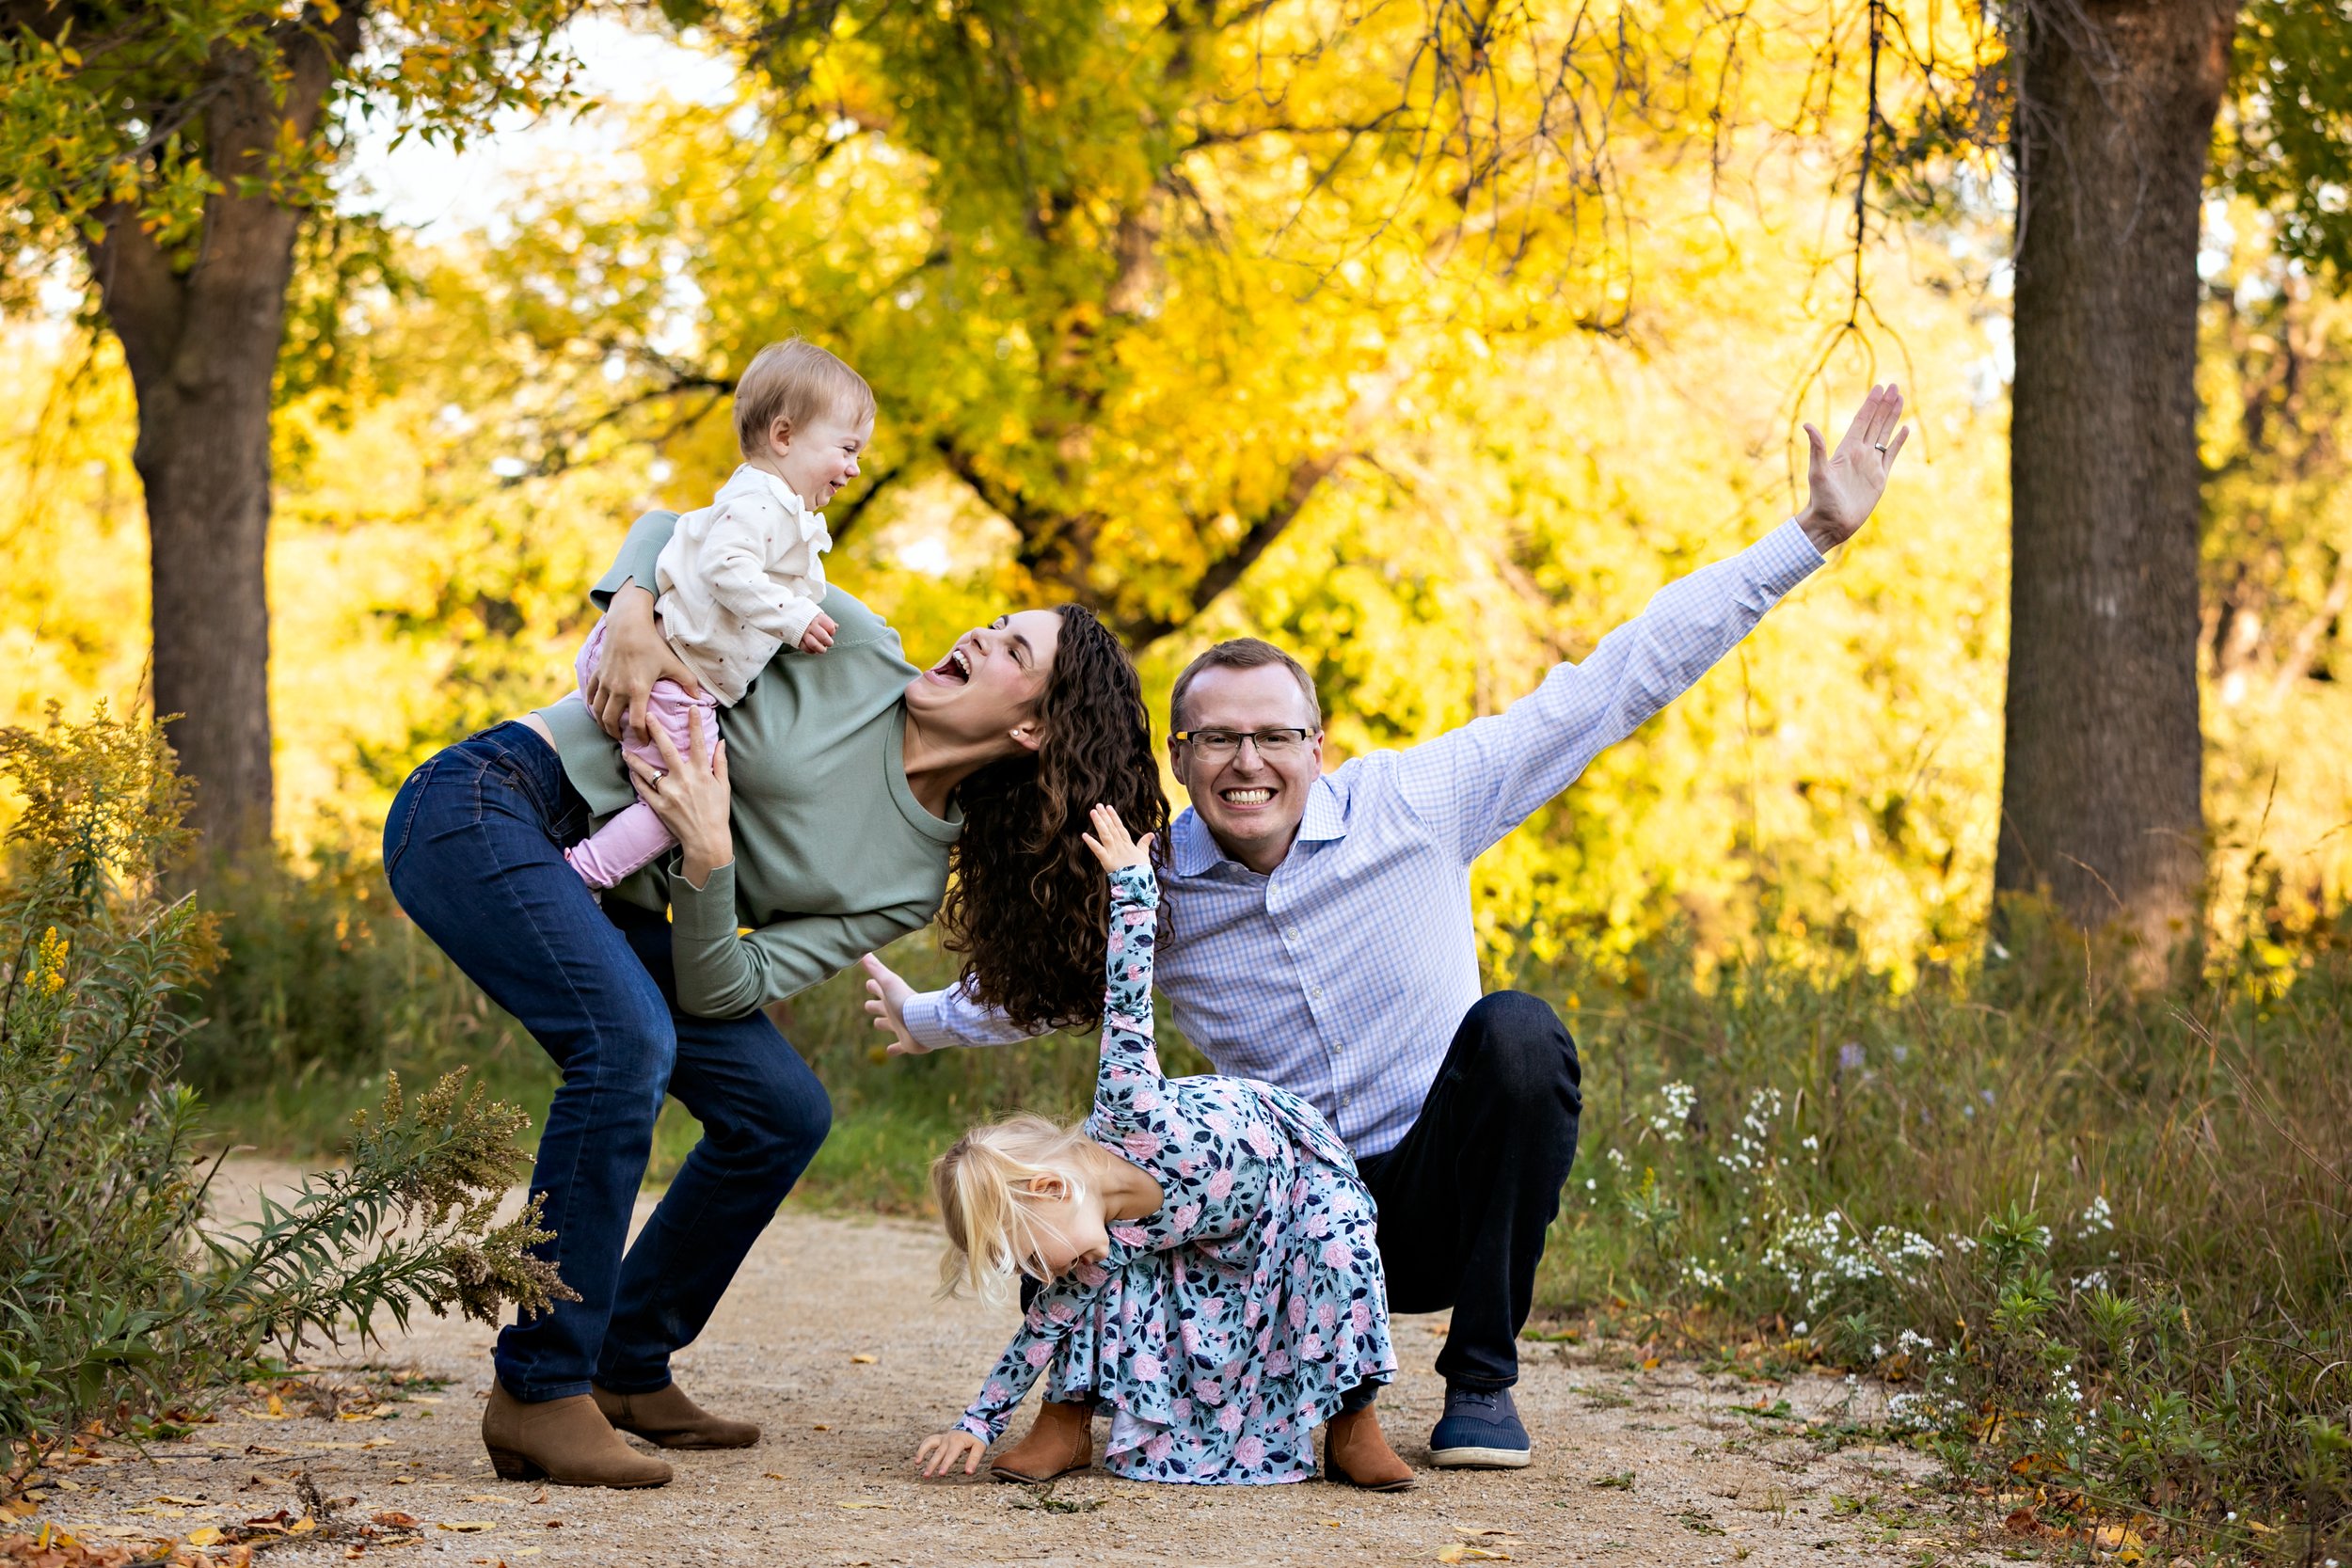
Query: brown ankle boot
point(1060, 1441)
point(1355, 1451)
point(667, 1418)
point(566, 1441)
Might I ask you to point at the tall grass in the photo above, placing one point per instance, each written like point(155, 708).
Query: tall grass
point(2103, 1238)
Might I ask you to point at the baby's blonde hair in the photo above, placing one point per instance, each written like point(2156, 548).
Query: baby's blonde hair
point(797, 381)
point(982, 1185)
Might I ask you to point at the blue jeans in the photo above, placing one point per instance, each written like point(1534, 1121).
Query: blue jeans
point(474, 852)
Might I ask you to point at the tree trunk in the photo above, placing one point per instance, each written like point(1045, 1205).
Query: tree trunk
point(2101, 806)
point(200, 330)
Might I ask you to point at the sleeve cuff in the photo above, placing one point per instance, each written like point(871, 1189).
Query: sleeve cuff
point(792, 624)
point(926, 1020)
point(1786, 557)
point(705, 914)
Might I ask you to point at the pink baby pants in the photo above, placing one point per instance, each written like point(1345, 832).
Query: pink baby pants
point(636, 837)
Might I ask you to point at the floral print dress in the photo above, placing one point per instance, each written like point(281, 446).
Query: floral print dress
point(1222, 1329)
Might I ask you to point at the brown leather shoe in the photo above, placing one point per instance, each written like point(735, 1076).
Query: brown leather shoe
point(667, 1418)
point(1355, 1451)
point(566, 1441)
point(1061, 1442)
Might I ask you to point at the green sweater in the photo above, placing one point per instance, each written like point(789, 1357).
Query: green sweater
point(833, 856)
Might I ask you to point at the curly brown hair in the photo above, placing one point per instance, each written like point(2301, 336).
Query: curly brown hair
point(1027, 904)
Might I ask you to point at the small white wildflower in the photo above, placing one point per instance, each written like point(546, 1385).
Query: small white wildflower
point(1801, 1328)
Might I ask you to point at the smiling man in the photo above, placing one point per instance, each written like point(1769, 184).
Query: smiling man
point(1316, 933)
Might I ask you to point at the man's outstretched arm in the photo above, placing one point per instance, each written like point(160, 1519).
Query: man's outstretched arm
point(1476, 784)
point(920, 1021)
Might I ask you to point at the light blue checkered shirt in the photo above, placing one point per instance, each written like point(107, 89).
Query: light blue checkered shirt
point(1343, 975)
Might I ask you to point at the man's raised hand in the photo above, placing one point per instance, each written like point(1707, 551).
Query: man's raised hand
point(1844, 485)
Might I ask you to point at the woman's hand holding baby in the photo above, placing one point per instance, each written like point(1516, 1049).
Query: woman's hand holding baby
point(690, 798)
point(939, 1452)
point(635, 656)
point(1111, 844)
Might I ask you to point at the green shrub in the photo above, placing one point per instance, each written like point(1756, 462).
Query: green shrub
point(113, 1289)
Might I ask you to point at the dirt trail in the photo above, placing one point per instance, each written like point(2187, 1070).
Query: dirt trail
point(832, 1340)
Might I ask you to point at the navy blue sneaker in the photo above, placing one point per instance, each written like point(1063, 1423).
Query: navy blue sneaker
point(1479, 1431)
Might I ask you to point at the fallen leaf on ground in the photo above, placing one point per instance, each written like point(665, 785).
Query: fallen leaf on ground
point(861, 1361)
point(204, 1537)
point(773, 1475)
point(1459, 1552)
point(484, 1498)
point(469, 1526)
point(861, 1503)
point(393, 1518)
point(175, 1498)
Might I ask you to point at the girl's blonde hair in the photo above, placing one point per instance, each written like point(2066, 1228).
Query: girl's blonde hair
point(797, 381)
point(982, 1185)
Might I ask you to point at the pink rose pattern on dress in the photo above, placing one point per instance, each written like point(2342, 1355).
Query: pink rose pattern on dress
point(1226, 1326)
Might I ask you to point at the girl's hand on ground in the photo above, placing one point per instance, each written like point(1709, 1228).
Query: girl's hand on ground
point(886, 1003)
point(820, 634)
point(691, 799)
point(635, 656)
point(940, 1451)
point(1111, 844)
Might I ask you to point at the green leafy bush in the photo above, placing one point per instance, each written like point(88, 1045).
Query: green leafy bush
point(114, 1288)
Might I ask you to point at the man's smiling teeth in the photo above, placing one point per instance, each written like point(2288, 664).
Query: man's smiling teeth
point(1248, 797)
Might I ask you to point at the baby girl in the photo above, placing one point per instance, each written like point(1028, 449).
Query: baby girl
point(1213, 1272)
point(742, 577)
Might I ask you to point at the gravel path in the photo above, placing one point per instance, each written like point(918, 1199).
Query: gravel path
point(832, 1340)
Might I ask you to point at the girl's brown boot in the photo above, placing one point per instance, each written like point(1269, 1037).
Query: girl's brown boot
point(1356, 1452)
point(1060, 1441)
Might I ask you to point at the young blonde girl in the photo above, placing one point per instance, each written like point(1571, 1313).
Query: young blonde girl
point(1207, 1249)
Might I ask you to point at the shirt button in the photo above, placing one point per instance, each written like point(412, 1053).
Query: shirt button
point(1291, 931)
point(1315, 992)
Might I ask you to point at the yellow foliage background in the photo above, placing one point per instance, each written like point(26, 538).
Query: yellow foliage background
point(1522, 484)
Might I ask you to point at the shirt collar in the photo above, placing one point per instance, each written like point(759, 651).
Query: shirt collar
point(746, 477)
point(1195, 848)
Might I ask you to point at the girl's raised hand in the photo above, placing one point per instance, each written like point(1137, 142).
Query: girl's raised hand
point(939, 1452)
point(1111, 844)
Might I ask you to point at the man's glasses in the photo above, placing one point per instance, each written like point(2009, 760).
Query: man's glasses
point(1276, 744)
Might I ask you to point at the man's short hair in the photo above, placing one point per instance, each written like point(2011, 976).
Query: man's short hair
point(797, 381)
point(1241, 653)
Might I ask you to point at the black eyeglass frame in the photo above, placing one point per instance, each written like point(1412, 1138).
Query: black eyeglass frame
point(1304, 733)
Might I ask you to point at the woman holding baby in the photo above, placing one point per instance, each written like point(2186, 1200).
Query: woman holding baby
point(856, 798)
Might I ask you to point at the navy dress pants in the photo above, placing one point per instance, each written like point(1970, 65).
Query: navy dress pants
point(1468, 1197)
